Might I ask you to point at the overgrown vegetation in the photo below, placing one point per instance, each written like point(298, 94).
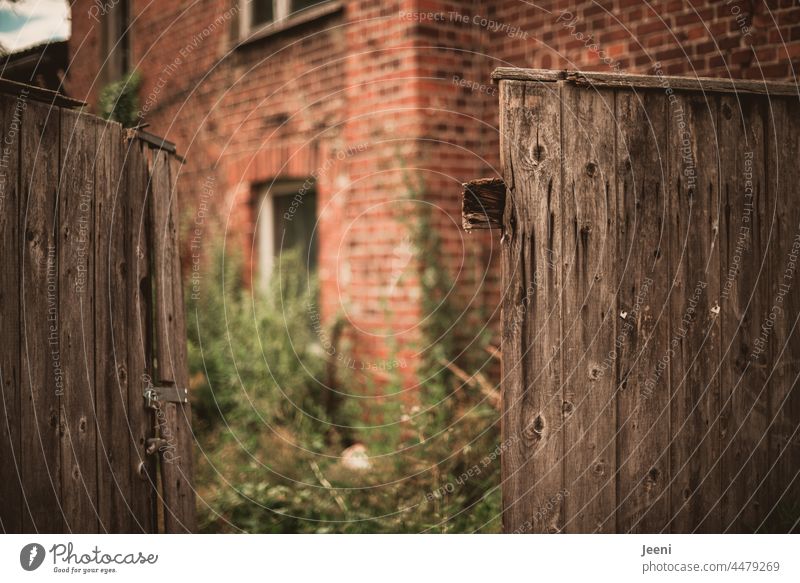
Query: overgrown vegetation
point(271, 443)
point(119, 101)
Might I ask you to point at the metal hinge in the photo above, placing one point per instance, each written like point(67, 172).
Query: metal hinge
point(165, 394)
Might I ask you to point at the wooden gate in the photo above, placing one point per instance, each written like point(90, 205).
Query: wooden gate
point(91, 317)
point(651, 238)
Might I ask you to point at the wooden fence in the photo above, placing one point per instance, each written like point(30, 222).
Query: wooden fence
point(91, 317)
point(651, 239)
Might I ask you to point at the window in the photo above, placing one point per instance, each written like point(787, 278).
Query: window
point(287, 219)
point(263, 14)
point(115, 45)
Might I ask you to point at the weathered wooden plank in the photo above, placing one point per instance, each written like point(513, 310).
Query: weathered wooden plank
point(530, 75)
point(140, 334)
point(643, 317)
point(532, 436)
point(743, 291)
point(779, 334)
point(42, 358)
point(708, 246)
point(11, 112)
point(588, 231)
point(628, 81)
point(183, 413)
point(111, 281)
point(693, 353)
point(174, 420)
point(76, 198)
point(483, 202)
point(153, 140)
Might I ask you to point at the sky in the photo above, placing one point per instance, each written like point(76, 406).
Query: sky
point(27, 23)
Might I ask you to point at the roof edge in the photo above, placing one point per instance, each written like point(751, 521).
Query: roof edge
point(13, 88)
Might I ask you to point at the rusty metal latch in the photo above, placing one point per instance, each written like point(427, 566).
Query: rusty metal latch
point(165, 394)
point(155, 396)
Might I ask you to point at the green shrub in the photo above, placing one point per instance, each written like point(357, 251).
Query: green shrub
point(269, 443)
point(119, 101)
point(253, 356)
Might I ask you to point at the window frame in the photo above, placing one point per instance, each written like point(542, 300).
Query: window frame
point(115, 42)
point(283, 19)
point(265, 224)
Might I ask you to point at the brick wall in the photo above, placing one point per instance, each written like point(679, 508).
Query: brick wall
point(726, 38)
point(323, 99)
point(376, 96)
point(464, 41)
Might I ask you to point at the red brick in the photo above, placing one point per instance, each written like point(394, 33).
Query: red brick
point(650, 27)
point(686, 19)
point(791, 50)
point(362, 83)
point(741, 57)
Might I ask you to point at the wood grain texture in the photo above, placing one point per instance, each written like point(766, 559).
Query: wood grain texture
point(40, 348)
point(170, 332)
point(642, 337)
point(532, 427)
point(111, 357)
point(588, 310)
point(11, 112)
point(77, 237)
point(483, 203)
point(76, 318)
point(694, 345)
point(779, 334)
point(139, 296)
point(744, 289)
point(704, 233)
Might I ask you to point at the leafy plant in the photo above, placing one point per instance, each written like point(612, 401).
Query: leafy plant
point(119, 101)
point(270, 444)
